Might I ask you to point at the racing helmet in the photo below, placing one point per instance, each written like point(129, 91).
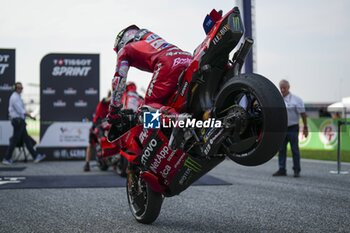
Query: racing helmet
point(130, 86)
point(125, 36)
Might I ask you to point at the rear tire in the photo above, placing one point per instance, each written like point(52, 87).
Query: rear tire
point(269, 105)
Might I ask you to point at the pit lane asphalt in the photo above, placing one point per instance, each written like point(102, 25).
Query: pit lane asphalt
point(255, 202)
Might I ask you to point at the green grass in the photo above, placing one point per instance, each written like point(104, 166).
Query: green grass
point(323, 155)
point(33, 127)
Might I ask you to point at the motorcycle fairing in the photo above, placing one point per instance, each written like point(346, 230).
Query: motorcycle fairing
point(159, 159)
point(209, 58)
point(128, 145)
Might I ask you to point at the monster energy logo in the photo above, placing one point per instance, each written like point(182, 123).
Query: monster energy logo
point(193, 165)
point(236, 24)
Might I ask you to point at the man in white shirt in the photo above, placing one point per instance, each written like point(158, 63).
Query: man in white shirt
point(17, 114)
point(295, 109)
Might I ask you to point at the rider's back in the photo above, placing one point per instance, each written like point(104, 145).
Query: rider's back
point(146, 52)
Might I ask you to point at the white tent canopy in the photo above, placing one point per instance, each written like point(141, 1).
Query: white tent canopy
point(341, 107)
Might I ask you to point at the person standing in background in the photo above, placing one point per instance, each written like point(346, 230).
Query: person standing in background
point(295, 108)
point(17, 114)
point(100, 114)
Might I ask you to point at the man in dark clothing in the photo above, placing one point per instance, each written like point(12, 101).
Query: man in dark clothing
point(17, 115)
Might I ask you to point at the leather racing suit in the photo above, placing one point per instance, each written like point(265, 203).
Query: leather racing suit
point(151, 53)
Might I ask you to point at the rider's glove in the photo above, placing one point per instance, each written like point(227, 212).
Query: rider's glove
point(114, 116)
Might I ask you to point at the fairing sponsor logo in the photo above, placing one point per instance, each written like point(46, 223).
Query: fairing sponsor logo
point(158, 159)
point(165, 171)
point(207, 149)
point(193, 165)
point(179, 160)
point(236, 23)
point(71, 67)
point(185, 176)
point(143, 135)
point(149, 151)
point(221, 33)
point(4, 59)
point(171, 155)
point(212, 141)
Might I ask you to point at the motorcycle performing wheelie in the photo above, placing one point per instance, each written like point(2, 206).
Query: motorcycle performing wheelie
point(222, 113)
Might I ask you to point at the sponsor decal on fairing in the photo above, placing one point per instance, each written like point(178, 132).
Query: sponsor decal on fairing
point(221, 33)
point(191, 168)
point(158, 158)
point(148, 151)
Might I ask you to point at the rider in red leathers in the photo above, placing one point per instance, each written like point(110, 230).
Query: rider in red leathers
point(146, 51)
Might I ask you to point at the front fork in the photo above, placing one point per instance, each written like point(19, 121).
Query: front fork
point(132, 179)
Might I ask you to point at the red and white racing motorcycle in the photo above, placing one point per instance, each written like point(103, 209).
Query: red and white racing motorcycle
point(245, 119)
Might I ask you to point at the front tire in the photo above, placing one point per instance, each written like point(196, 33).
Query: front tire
point(265, 116)
point(144, 203)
